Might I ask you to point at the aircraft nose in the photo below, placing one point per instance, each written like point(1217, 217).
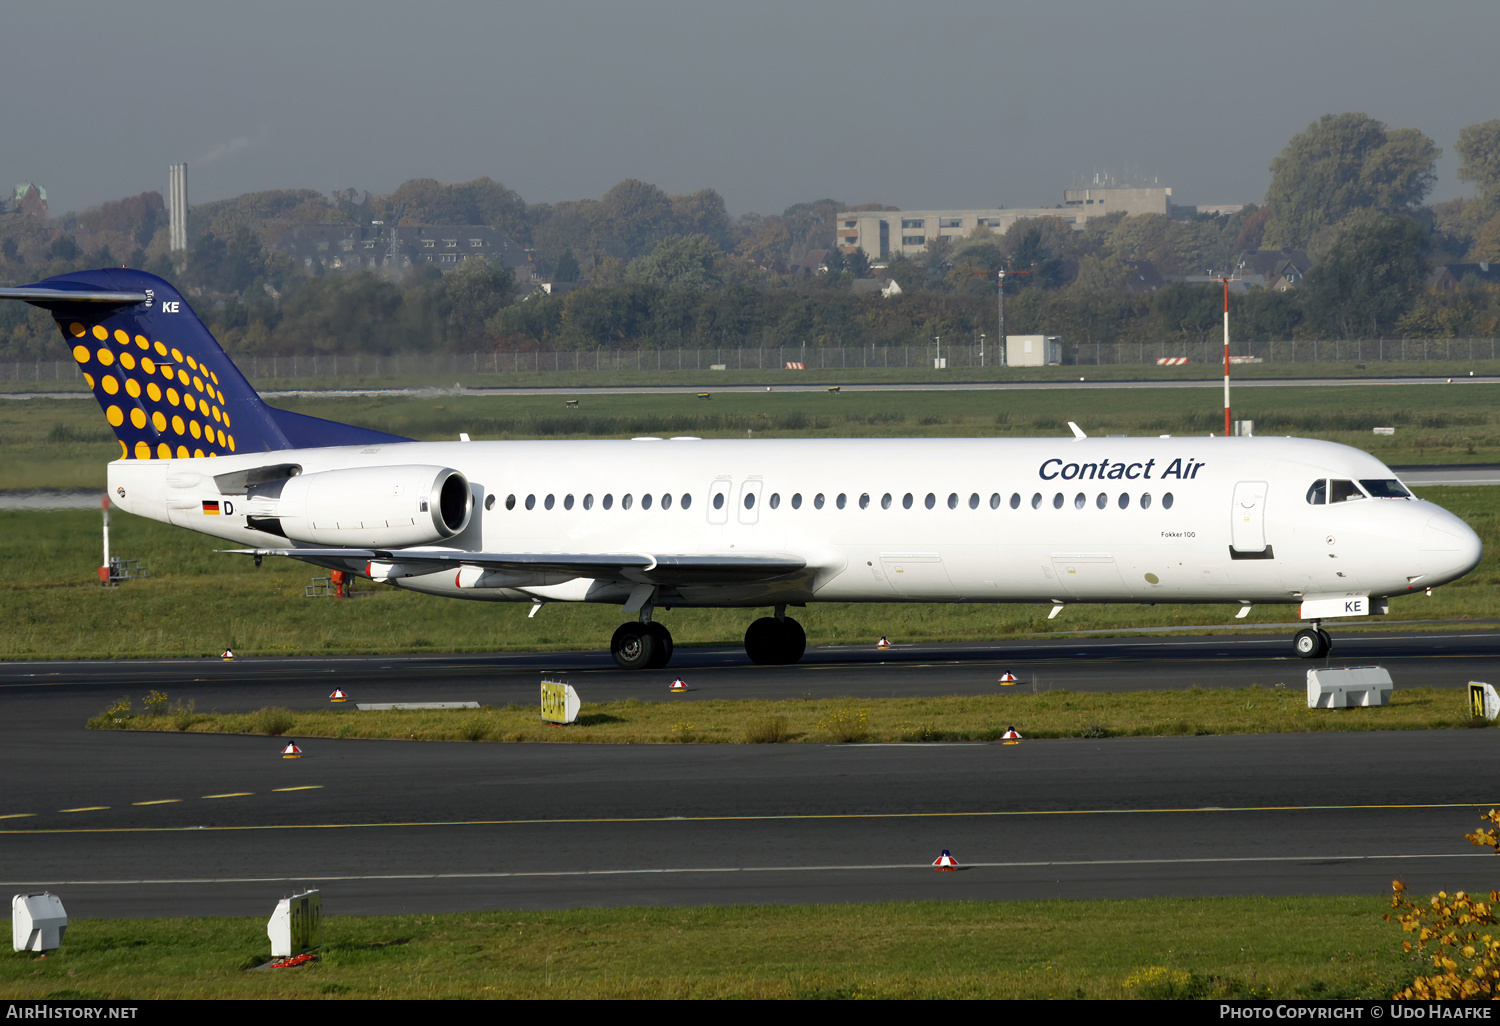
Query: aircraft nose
point(1449, 549)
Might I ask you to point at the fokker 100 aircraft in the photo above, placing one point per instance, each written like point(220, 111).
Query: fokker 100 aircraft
point(653, 524)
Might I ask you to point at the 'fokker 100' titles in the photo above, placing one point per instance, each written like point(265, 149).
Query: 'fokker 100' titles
point(1118, 470)
point(653, 524)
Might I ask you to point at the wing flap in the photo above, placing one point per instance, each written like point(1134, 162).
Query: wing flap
point(630, 567)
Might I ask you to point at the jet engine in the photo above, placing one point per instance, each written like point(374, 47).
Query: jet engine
point(379, 507)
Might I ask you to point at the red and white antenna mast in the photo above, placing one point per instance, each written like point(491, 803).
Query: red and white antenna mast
point(1227, 425)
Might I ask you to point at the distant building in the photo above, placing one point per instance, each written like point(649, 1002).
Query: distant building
point(882, 234)
point(30, 200)
point(337, 247)
point(1448, 277)
point(886, 287)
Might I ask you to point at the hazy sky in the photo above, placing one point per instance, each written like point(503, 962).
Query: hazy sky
point(937, 104)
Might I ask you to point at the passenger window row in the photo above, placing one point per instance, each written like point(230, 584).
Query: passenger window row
point(996, 500)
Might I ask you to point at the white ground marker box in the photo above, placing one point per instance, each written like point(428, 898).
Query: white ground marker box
point(37, 922)
point(1346, 687)
point(296, 925)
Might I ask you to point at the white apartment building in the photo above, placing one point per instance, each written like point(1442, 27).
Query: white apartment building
point(882, 234)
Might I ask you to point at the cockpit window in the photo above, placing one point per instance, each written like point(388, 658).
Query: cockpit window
point(1387, 489)
point(1343, 491)
point(1317, 495)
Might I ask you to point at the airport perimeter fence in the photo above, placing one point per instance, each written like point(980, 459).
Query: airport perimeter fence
point(357, 368)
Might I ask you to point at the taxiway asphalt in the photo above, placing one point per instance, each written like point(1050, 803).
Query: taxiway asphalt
point(168, 824)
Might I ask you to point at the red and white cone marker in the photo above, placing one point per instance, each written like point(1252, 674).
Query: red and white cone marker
point(338, 696)
point(1010, 736)
point(678, 684)
point(945, 862)
point(884, 642)
point(228, 655)
point(1008, 678)
point(291, 751)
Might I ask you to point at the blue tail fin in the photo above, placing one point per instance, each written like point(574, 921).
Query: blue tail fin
point(166, 387)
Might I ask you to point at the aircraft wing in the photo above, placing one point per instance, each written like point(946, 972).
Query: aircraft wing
point(630, 567)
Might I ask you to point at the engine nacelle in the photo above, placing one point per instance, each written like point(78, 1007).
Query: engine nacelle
point(384, 507)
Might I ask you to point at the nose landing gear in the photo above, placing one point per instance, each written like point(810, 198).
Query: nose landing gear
point(1312, 642)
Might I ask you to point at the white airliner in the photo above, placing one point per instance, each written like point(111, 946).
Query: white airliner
point(654, 524)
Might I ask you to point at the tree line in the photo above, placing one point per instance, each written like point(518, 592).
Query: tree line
point(650, 270)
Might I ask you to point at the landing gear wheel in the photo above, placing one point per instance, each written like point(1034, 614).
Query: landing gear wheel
point(1312, 643)
point(761, 640)
point(773, 642)
point(794, 639)
point(663, 638)
point(634, 646)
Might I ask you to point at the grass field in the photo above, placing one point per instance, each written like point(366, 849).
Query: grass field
point(1273, 708)
point(1286, 948)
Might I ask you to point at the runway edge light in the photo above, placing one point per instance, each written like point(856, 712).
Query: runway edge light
point(945, 862)
point(1011, 736)
point(678, 684)
point(291, 751)
point(228, 655)
point(1008, 678)
point(884, 642)
point(338, 696)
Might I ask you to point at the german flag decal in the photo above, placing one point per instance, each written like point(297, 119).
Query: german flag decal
point(211, 507)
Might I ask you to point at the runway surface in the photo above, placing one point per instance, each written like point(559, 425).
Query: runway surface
point(169, 824)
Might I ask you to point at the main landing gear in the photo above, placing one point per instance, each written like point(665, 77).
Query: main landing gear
point(1312, 642)
point(641, 646)
point(771, 641)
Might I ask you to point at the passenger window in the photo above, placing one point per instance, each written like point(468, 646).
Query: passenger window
point(1080, 500)
point(646, 501)
point(749, 500)
point(548, 502)
point(666, 500)
point(1057, 501)
point(775, 499)
point(931, 500)
point(1343, 491)
point(841, 501)
point(687, 500)
point(718, 500)
point(568, 502)
point(510, 502)
point(609, 500)
point(1166, 501)
point(906, 501)
point(953, 500)
point(531, 502)
point(818, 501)
point(1102, 501)
point(885, 501)
point(1036, 501)
point(588, 501)
point(864, 500)
point(995, 501)
point(974, 501)
point(626, 501)
point(1317, 495)
point(1146, 501)
point(1015, 500)
point(1124, 500)
point(796, 500)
